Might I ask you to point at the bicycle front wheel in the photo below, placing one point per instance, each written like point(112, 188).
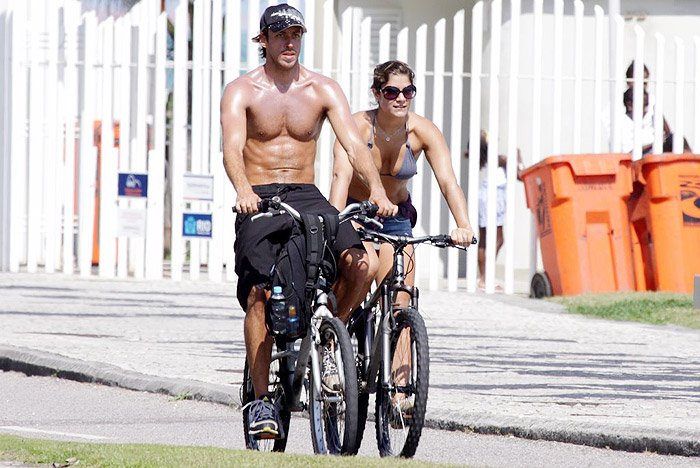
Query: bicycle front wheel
point(333, 400)
point(400, 405)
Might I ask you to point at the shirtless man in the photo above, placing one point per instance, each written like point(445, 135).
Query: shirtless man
point(271, 120)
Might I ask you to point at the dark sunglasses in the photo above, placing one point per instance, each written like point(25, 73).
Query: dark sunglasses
point(392, 92)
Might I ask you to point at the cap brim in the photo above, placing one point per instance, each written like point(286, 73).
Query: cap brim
point(282, 25)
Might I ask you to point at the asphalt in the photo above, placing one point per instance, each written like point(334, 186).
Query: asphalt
point(499, 364)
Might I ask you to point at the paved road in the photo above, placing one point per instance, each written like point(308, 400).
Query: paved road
point(60, 409)
point(499, 364)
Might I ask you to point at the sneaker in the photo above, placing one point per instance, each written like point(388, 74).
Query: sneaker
point(401, 410)
point(330, 379)
point(262, 419)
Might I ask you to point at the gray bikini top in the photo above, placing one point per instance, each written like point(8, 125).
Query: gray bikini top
point(409, 167)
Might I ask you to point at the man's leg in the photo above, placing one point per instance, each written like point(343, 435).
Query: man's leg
point(356, 276)
point(263, 420)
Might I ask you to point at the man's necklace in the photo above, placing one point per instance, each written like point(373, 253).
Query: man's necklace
point(388, 137)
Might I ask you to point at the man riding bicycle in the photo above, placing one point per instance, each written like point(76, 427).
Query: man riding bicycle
point(271, 120)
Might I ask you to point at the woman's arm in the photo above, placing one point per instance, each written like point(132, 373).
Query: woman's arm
point(438, 156)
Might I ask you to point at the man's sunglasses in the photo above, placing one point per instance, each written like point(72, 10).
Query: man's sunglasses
point(392, 92)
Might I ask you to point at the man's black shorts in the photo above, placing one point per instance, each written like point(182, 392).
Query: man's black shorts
point(258, 243)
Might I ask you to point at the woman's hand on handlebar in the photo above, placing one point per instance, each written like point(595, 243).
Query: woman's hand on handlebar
point(247, 203)
point(463, 236)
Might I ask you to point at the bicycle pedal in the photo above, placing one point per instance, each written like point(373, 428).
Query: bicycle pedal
point(266, 435)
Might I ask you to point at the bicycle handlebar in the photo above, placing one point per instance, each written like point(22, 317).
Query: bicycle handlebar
point(269, 207)
point(440, 240)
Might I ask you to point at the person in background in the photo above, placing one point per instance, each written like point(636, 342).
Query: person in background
point(483, 200)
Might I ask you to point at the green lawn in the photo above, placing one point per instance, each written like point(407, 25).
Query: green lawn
point(648, 307)
point(158, 456)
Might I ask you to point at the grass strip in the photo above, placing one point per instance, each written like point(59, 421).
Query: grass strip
point(48, 452)
point(658, 308)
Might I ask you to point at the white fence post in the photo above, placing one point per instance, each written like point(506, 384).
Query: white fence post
point(512, 165)
point(216, 168)
point(474, 134)
point(578, 73)
point(658, 147)
point(597, 77)
point(494, 136)
point(178, 152)
point(155, 222)
point(88, 151)
point(435, 260)
point(679, 130)
point(108, 158)
point(637, 108)
point(558, 40)
point(536, 117)
point(456, 132)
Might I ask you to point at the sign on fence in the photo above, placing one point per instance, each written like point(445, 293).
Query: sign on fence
point(198, 187)
point(133, 185)
point(196, 225)
point(131, 222)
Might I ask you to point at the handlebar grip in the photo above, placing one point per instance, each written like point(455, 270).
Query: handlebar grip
point(474, 240)
point(369, 208)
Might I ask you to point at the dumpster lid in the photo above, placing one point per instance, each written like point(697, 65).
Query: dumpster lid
point(587, 164)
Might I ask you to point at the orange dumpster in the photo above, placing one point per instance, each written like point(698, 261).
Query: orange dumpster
point(580, 205)
point(664, 214)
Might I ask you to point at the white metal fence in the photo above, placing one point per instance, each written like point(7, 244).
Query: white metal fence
point(67, 78)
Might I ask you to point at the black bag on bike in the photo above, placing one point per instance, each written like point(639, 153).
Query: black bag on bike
point(298, 266)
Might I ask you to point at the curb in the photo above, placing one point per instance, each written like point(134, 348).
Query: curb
point(39, 363)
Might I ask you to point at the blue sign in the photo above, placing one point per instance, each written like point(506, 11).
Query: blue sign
point(133, 185)
point(196, 225)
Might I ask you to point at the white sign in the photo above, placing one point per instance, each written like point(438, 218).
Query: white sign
point(198, 187)
point(131, 222)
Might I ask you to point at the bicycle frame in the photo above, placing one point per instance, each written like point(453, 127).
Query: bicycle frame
point(379, 341)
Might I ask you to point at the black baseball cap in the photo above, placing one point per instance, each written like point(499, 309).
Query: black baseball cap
point(280, 17)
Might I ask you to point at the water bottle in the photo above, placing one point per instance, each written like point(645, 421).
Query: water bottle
point(293, 324)
point(279, 310)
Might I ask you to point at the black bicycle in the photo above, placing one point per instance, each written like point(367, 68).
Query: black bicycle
point(296, 369)
point(393, 358)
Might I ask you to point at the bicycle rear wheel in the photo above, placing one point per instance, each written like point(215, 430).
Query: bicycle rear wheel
point(333, 412)
point(398, 424)
point(283, 416)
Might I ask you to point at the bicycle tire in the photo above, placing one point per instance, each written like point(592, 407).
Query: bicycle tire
point(398, 432)
point(334, 425)
point(278, 444)
point(358, 336)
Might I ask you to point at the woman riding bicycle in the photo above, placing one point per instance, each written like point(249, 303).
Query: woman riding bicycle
point(396, 137)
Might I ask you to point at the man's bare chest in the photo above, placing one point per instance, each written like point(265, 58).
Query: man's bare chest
point(297, 115)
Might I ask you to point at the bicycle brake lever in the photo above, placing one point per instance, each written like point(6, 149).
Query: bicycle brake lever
point(261, 215)
point(368, 220)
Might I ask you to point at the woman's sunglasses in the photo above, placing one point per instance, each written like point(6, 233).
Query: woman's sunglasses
point(392, 92)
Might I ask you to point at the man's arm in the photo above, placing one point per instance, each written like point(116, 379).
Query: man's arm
point(358, 154)
point(342, 175)
point(235, 131)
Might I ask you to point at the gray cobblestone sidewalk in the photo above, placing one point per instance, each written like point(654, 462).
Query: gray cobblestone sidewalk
point(499, 363)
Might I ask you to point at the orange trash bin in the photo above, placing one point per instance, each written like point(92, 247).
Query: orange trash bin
point(580, 205)
point(665, 222)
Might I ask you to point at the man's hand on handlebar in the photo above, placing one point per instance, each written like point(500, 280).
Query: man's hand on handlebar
point(463, 236)
point(385, 208)
point(247, 203)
